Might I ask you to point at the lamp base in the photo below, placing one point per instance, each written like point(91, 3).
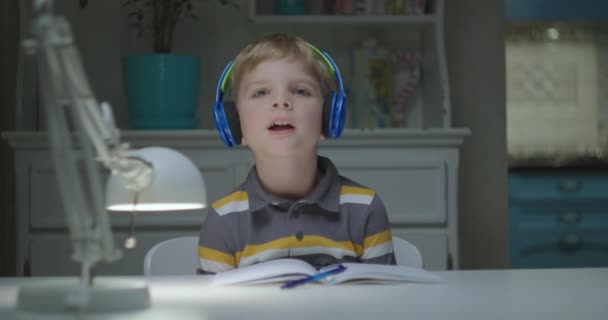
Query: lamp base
point(61, 295)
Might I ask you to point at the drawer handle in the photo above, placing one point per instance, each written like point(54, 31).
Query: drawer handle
point(570, 242)
point(570, 185)
point(570, 217)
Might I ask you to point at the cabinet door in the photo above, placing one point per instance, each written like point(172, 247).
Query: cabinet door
point(50, 253)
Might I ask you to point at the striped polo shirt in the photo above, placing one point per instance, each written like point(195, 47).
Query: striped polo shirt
point(339, 221)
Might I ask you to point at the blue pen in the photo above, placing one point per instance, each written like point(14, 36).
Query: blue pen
point(294, 283)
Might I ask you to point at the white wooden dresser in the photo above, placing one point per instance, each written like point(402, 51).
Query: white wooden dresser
point(414, 171)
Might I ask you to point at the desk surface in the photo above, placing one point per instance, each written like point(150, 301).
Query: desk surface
point(501, 294)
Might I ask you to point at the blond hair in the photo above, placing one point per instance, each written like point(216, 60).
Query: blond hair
point(279, 46)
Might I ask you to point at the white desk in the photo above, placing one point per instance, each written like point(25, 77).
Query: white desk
point(505, 294)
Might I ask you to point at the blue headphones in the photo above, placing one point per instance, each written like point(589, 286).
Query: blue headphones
point(334, 107)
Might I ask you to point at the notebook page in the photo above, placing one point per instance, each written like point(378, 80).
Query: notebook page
point(265, 272)
point(366, 271)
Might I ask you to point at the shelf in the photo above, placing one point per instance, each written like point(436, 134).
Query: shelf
point(338, 19)
point(209, 138)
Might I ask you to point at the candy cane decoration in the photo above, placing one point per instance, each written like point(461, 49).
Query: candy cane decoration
point(413, 62)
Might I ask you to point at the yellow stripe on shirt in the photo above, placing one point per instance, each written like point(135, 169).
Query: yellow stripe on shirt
point(377, 245)
point(235, 196)
point(350, 194)
point(217, 256)
point(235, 202)
point(377, 239)
point(356, 191)
point(292, 242)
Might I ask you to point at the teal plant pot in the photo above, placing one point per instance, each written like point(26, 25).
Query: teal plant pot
point(290, 7)
point(162, 91)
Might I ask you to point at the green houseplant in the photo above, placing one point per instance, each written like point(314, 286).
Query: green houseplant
point(162, 88)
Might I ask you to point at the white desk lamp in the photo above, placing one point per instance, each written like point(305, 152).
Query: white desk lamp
point(149, 179)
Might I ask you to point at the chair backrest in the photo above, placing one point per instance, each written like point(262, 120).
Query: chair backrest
point(406, 253)
point(178, 256)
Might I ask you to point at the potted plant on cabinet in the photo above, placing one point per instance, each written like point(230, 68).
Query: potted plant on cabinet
point(162, 88)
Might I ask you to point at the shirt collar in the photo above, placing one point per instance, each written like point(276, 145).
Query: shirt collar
point(326, 193)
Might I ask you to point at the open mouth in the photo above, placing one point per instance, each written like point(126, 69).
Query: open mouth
point(280, 126)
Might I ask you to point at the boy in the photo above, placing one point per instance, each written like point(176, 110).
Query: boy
point(293, 203)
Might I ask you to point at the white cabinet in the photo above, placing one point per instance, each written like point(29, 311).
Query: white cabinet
point(415, 172)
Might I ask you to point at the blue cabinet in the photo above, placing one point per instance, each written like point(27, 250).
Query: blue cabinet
point(558, 218)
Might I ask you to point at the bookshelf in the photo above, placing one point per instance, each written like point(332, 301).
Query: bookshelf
point(422, 33)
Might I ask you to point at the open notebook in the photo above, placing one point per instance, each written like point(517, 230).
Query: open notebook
point(282, 270)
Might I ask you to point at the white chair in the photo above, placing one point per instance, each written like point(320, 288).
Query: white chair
point(406, 253)
point(178, 256)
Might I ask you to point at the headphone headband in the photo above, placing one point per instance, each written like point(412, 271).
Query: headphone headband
point(321, 55)
point(221, 85)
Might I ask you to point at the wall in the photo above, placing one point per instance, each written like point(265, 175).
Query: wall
point(475, 51)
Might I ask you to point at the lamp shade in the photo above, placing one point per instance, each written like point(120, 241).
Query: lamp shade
point(177, 184)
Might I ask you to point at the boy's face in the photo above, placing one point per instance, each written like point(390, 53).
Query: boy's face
point(280, 107)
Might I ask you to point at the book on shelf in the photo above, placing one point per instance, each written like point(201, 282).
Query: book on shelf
point(282, 270)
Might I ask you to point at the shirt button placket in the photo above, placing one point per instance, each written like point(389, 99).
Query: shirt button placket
point(294, 213)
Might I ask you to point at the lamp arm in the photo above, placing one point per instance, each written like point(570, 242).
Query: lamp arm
point(54, 34)
point(68, 99)
point(104, 136)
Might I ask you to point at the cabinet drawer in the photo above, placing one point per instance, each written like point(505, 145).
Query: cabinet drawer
point(555, 250)
point(554, 218)
point(563, 186)
point(46, 209)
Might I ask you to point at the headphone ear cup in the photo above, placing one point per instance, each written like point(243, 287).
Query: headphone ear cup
point(339, 115)
point(221, 124)
point(327, 110)
point(332, 117)
point(233, 123)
